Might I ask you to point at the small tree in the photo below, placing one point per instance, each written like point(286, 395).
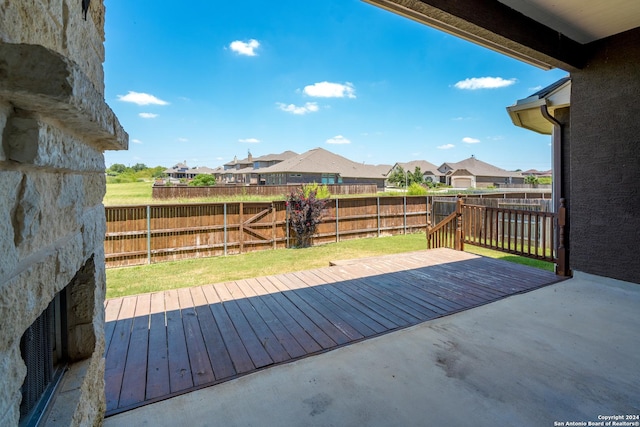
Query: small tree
point(397, 177)
point(305, 213)
point(416, 189)
point(531, 179)
point(322, 191)
point(416, 176)
point(203, 180)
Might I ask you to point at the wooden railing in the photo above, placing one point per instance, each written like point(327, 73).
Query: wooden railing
point(532, 234)
point(448, 232)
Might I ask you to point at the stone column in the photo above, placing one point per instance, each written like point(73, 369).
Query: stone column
point(54, 128)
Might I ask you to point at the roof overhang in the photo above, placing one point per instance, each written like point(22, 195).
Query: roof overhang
point(545, 33)
point(528, 113)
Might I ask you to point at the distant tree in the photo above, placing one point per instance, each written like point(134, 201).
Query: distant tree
point(321, 191)
point(416, 176)
point(531, 179)
point(117, 168)
point(139, 167)
point(397, 177)
point(202, 180)
point(416, 189)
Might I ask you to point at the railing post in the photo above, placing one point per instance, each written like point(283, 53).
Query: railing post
point(148, 234)
point(429, 226)
point(562, 267)
point(459, 238)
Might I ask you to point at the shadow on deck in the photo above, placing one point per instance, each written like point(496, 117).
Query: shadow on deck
point(168, 343)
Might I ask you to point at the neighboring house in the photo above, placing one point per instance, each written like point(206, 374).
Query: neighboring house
point(474, 173)
point(324, 167)
point(597, 135)
point(429, 171)
point(177, 171)
point(537, 173)
point(182, 171)
point(245, 171)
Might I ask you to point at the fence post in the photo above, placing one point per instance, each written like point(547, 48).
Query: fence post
point(287, 222)
point(378, 212)
point(224, 210)
point(405, 213)
point(273, 224)
point(562, 267)
point(241, 227)
point(459, 238)
point(337, 223)
point(148, 234)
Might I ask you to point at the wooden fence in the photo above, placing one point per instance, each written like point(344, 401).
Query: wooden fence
point(183, 191)
point(155, 233)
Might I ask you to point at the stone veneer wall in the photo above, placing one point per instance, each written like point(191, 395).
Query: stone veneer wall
point(54, 127)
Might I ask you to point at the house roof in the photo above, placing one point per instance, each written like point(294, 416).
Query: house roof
point(180, 167)
point(527, 112)
point(425, 167)
point(537, 172)
point(479, 168)
point(544, 33)
point(319, 160)
point(272, 157)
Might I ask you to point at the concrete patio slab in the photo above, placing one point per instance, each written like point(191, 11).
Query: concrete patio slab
point(568, 352)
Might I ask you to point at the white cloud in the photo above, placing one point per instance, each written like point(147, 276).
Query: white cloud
point(249, 140)
point(484, 83)
point(469, 140)
point(445, 147)
point(183, 140)
point(141, 99)
point(309, 107)
point(535, 89)
point(245, 48)
point(148, 115)
point(330, 90)
point(136, 141)
point(338, 139)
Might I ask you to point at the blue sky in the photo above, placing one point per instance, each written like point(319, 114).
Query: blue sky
point(204, 81)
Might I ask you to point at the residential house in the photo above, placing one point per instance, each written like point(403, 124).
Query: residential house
point(324, 167)
point(600, 48)
point(246, 171)
point(430, 172)
point(182, 171)
point(474, 173)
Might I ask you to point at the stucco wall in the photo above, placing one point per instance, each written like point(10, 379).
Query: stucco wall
point(605, 160)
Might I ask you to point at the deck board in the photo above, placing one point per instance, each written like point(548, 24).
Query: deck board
point(167, 343)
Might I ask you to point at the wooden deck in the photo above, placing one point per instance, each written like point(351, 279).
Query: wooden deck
point(168, 343)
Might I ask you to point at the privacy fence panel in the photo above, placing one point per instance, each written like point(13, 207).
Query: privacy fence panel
point(148, 234)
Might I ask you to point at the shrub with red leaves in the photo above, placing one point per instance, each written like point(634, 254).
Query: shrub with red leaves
point(305, 213)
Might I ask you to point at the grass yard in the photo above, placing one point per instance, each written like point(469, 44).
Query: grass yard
point(196, 272)
point(128, 193)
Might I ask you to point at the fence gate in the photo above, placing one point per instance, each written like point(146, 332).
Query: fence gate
point(256, 226)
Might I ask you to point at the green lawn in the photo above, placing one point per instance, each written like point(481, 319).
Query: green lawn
point(195, 272)
point(129, 193)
